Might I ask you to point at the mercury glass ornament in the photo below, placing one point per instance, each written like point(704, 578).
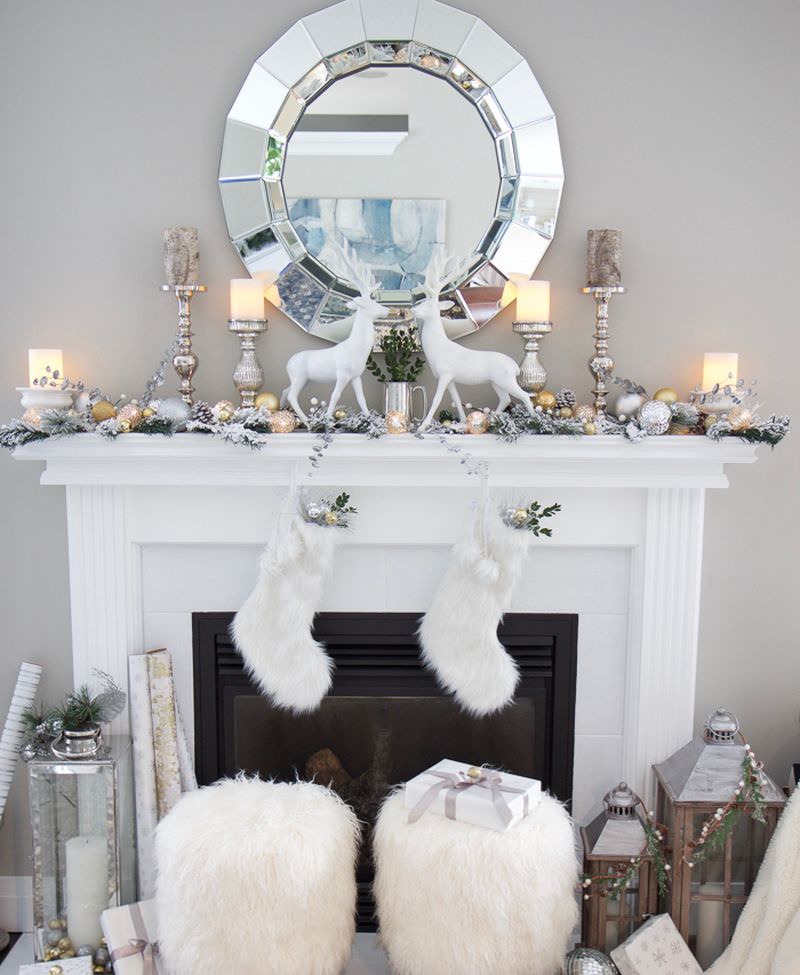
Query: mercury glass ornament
point(283, 421)
point(223, 411)
point(739, 418)
point(587, 961)
point(397, 422)
point(655, 418)
point(130, 414)
point(585, 413)
point(477, 422)
point(32, 417)
point(520, 516)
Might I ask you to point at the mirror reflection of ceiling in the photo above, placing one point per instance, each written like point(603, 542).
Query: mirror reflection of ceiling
point(391, 135)
point(402, 126)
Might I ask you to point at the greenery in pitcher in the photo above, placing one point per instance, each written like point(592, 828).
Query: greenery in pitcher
point(400, 348)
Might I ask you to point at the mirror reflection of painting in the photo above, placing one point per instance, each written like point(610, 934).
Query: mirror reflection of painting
point(395, 162)
point(396, 237)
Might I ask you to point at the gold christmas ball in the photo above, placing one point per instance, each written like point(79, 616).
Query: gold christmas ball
point(566, 413)
point(589, 429)
point(339, 413)
point(98, 969)
point(65, 944)
point(666, 395)
point(56, 970)
point(268, 401)
point(103, 410)
point(56, 924)
point(679, 430)
point(148, 411)
point(51, 954)
point(739, 418)
point(396, 422)
point(474, 773)
point(131, 414)
point(331, 518)
point(69, 953)
point(32, 417)
point(477, 422)
point(710, 420)
point(223, 411)
point(283, 421)
point(520, 516)
point(585, 413)
point(124, 426)
point(546, 399)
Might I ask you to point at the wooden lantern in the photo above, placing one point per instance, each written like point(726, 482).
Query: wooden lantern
point(610, 842)
point(706, 897)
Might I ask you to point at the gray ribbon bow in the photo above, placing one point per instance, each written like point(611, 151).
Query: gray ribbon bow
point(139, 945)
point(454, 783)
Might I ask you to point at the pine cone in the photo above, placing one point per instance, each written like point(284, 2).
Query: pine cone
point(202, 413)
point(566, 398)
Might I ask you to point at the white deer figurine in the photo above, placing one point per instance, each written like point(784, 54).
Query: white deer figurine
point(343, 363)
point(451, 363)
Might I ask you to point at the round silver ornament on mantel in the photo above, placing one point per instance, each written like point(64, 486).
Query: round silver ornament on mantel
point(655, 418)
point(173, 409)
point(587, 961)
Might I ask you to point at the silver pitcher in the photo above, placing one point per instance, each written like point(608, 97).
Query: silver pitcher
point(399, 397)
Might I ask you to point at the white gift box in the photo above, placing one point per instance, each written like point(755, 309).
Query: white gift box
point(131, 933)
point(657, 948)
point(69, 966)
point(496, 800)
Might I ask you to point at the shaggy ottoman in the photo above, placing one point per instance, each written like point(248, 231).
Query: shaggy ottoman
point(457, 899)
point(257, 878)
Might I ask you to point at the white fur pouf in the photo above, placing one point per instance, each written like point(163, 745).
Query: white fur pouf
point(257, 878)
point(457, 899)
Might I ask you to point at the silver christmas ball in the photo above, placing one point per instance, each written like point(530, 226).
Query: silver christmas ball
point(101, 956)
point(628, 402)
point(655, 418)
point(27, 753)
point(86, 950)
point(587, 961)
point(314, 511)
point(175, 410)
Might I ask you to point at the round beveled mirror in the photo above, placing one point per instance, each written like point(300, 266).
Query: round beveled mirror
point(400, 128)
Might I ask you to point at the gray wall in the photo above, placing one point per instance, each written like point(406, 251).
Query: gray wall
point(679, 124)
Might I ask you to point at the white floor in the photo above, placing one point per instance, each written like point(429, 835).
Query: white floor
point(368, 959)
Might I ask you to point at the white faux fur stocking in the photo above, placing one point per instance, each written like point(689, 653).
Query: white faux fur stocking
point(272, 631)
point(458, 634)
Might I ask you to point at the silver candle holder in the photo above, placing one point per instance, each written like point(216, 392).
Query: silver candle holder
point(533, 376)
point(248, 376)
point(601, 365)
point(185, 361)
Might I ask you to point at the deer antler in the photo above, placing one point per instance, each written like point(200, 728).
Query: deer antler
point(442, 270)
point(357, 270)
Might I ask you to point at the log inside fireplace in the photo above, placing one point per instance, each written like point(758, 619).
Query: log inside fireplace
point(385, 719)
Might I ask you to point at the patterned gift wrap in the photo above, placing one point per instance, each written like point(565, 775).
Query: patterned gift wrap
point(657, 948)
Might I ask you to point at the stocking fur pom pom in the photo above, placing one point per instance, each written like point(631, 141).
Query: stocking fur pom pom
point(272, 630)
point(458, 634)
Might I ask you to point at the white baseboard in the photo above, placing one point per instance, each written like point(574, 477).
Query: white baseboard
point(16, 904)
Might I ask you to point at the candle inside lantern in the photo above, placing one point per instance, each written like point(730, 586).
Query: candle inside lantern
point(533, 301)
point(720, 368)
point(604, 258)
point(86, 888)
point(44, 364)
point(247, 300)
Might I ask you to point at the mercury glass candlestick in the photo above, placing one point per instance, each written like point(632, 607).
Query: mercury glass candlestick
point(533, 323)
point(248, 376)
point(185, 361)
point(601, 365)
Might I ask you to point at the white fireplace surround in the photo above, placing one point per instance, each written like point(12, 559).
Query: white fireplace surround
point(160, 528)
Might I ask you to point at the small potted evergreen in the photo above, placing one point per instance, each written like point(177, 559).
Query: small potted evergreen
point(402, 366)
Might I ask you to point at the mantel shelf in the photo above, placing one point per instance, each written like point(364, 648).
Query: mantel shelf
point(354, 460)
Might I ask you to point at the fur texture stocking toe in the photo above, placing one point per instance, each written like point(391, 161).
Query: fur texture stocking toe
point(458, 634)
point(272, 630)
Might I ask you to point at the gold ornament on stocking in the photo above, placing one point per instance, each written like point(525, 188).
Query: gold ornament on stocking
point(396, 422)
point(477, 422)
point(283, 421)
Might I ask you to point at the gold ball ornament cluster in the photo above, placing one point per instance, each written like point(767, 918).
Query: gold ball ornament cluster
point(739, 418)
point(546, 399)
point(103, 410)
point(476, 422)
point(396, 422)
point(666, 395)
point(267, 401)
point(283, 421)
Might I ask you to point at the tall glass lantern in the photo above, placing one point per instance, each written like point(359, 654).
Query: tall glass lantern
point(610, 842)
point(712, 881)
point(82, 815)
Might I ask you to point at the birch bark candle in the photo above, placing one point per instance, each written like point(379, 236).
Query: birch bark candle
point(181, 255)
point(86, 888)
point(604, 258)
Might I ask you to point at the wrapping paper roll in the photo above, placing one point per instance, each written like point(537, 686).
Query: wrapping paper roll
point(165, 730)
point(144, 764)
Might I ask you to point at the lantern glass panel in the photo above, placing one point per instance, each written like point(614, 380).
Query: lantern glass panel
point(83, 842)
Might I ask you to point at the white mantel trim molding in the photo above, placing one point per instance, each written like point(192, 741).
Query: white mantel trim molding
point(667, 479)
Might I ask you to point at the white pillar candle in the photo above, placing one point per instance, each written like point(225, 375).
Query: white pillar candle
point(720, 368)
point(86, 888)
point(38, 362)
point(533, 301)
point(247, 299)
point(510, 288)
point(709, 925)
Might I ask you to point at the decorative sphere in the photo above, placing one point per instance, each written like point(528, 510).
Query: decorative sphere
point(666, 395)
point(32, 417)
point(268, 401)
point(283, 421)
point(103, 410)
point(64, 944)
point(588, 961)
point(339, 413)
point(477, 422)
point(53, 938)
point(102, 956)
point(131, 414)
point(520, 516)
point(124, 426)
point(314, 511)
point(222, 411)
point(589, 428)
point(739, 418)
point(175, 410)
point(655, 418)
point(397, 422)
point(147, 412)
point(82, 401)
point(585, 413)
point(474, 773)
point(331, 518)
point(628, 403)
point(56, 924)
point(679, 430)
point(84, 950)
point(55, 970)
point(546, 399)
point(566, 413)
point(710, 420)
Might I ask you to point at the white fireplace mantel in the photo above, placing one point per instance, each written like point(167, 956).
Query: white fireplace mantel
point(161, 527)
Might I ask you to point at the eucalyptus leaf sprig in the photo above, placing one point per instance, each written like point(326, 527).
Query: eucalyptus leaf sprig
point(400, 348)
